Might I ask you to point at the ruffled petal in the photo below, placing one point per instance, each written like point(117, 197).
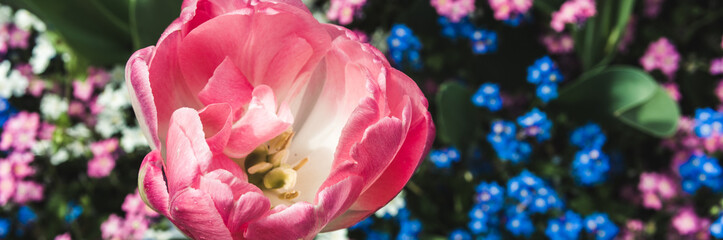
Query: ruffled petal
point(260, 123)
point(246, 209)
point(194, 211)
point(227, 85)
point(217, 120)
point(188, 154)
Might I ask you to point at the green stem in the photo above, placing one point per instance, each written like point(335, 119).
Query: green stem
point(700, 23)
point(133, 24)
point(543, 6)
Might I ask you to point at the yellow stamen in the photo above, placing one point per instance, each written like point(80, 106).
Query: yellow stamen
point(301, 163)
point(261, 167)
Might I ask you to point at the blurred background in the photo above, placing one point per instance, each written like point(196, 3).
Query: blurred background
point(556, 119)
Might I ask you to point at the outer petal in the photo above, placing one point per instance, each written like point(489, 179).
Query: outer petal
point(195, 211)
point(247, 209)
point(303, 220)
point(137, 78)
point(151, 185)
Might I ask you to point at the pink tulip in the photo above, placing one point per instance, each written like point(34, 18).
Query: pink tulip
point(266, 124)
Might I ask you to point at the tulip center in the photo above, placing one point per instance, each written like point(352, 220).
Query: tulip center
point(267, 167)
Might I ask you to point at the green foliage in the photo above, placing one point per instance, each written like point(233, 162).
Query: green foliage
point(104, 32)
point(625, 94)
point(455, 114)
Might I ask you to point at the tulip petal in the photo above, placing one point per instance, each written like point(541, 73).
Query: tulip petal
point(304, 220)
point(238, 186)
point(227, 85)
point(195, 211)
point(151, 185)
point(141, 94)
point(260, 123)
point(246, 209)
point(220, 194)
point(217, 120)
point(269, 34)
point(188, 154)
point(169, 89)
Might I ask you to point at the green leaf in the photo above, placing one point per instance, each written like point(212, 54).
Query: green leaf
point(455, 114)
point(148, 19)
point(102, 32)
point(626, 94)
point(94, 29)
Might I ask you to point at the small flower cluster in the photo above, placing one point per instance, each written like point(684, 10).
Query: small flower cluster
point(404, 47)
point(510, 9)
point(566, 227)
point(455, 10)
point(134, 225)
point(19, 134)
point(656, 187)
point(531, 195)
point(663, 56)
point(443, 158)
point(488, 96)
point(708, 123)
point(104, 157)
point(545, 74)
point(489, 200)
point(716, 66)
point(701, 170)
point(558, 43)
point(503, 138)
point(600, 226)
point(590, 165)
point(344, 11)
point(572, 11)
point(483, 41)
point(535, 124)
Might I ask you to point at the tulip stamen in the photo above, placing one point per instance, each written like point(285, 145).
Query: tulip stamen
point(289, 195)
point(267, 166)
point(301, 163)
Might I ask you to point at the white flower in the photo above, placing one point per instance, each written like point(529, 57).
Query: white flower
point(59, 157)
point(12, 84)
point(52, 106)
point(25, 20)
point(77, 148)
point(132, 138)
point(79, 131)
point(340, 234)
point(42, 53)
point(41, 148)
point(171, 233)
point(114, 99)
point(110, 122)
point(6, 14)
point(392, 208)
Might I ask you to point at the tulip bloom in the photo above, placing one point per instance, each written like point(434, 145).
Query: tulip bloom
point(266, 124)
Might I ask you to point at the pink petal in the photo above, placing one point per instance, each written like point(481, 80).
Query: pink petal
point(195, 212)
point(227, 85)
point(166, 81)
point(217, 119)
point(259, 124)
point(188, 154)
point(137, 77)
point(246, 209)
point(268, 34)
point(303, 220)
point(152, 186)
point(220, 193)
